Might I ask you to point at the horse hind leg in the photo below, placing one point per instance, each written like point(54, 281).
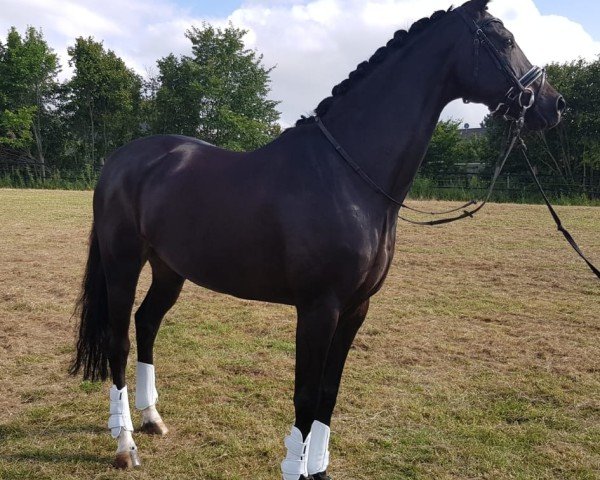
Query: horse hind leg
point(122, 271)
point(162, 295)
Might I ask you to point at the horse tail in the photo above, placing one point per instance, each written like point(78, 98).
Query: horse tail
point(92, 309)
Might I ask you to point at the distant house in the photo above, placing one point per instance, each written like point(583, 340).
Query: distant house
point(468, 132)
point(475, 167)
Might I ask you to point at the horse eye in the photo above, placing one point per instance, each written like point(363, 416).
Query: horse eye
point(510, 42)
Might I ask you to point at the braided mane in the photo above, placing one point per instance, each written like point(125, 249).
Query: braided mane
point(401, 37)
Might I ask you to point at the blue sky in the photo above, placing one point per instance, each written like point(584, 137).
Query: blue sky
point(210, 8)
point(586, 12)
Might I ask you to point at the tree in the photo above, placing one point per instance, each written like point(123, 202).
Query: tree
point(219, 94)
point(575, 145)
point(178, 98)
point(449, 151)
point(570, 153)
point(15, 128)
point(28, 87)
point(103, 100)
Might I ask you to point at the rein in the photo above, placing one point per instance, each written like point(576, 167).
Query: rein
point(375, 186)
point(555, 216)
point(498, 170)
point(519, 95)
point(353, 165)
point(515, 137)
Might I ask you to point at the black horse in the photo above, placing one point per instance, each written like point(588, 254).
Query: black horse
point(291, 222)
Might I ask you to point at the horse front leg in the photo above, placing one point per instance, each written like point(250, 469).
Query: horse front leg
point(348, 325)
point(315, 329)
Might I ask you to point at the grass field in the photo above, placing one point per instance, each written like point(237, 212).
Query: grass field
point(480, 358)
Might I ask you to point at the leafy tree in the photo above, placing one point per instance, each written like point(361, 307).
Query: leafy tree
point(103, 100)
point(178, 98)
point(449, 151)
point(28, 88)
point(218, 94)
point(575, 145)
point(569, 153)
point(15, 128)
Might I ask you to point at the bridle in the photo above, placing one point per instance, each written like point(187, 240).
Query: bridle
point(520, 96)
point(516, 94)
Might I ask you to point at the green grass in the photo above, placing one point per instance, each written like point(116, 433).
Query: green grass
point(479, 359)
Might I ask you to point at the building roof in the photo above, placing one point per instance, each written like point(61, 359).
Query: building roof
point(473, 132)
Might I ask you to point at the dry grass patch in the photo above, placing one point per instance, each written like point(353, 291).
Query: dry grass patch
point(480, 358)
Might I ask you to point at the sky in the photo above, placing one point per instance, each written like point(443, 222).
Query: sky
point(313, 44)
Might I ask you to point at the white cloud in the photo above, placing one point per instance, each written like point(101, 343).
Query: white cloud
point(545, 38)
point(313, 43)
point(315, 51)
point(138, 31)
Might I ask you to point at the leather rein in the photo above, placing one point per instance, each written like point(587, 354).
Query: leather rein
point(519, 97)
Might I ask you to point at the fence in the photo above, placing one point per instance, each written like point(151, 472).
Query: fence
point(24, 173)
point(510, 187)
point(512, 183)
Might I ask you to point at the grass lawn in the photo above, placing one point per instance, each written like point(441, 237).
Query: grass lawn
point(480, 358)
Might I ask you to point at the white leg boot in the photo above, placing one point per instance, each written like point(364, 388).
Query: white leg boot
point(121, 428)
point(146, 397)
point(295, 464)
point(318, 454)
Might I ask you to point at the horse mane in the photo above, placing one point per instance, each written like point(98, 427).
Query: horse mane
point(364, 69)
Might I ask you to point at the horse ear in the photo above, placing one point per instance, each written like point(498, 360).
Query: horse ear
point(477, 6)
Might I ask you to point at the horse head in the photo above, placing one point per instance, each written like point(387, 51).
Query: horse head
point(493, 70)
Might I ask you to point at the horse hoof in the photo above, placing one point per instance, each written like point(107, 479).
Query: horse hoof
point(126, 460)
point(321, 476)
point(154, 428)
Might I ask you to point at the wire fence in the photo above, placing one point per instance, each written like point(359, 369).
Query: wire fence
point(511, 187)
point(26, 173)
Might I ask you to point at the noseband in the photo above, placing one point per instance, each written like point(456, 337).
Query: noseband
point(520, 96)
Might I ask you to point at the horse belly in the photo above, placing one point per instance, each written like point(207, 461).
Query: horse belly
point(225, 250)
point(253, 277)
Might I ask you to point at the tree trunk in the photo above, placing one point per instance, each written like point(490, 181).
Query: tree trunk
point(38, 142)
point(105, 140)
point(93, 135)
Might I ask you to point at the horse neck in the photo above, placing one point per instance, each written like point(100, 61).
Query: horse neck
point(386, 121)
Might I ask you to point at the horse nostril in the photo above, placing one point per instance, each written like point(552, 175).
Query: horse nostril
point(561, 104)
